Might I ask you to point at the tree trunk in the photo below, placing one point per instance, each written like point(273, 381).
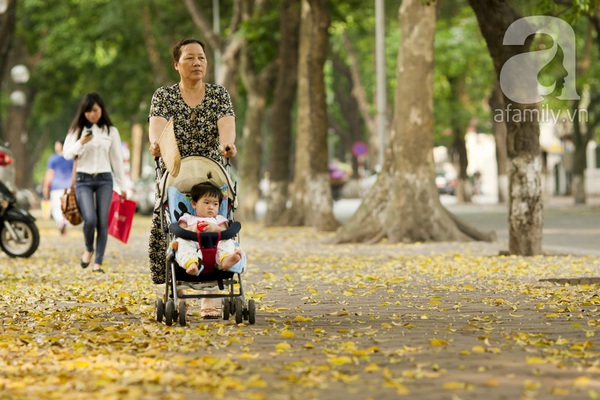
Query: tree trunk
point(583, 131)
point(461, 162)
point(258, 85)
point(312, 203)
point(351, 131)
point(496, 102)
point(458, 153)
point(294, 215)
point(283, 104)
point(321, 205)
point(523, 147)
point(580, 140)
point(16, 129)
point(7, 28)
point(249, 170)
point(359, 92)
point(404, 204)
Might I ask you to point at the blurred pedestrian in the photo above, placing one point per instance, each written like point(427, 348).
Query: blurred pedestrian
point(96, 143)
point(56, 180)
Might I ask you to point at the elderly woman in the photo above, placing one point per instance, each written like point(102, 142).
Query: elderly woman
point(203, 122)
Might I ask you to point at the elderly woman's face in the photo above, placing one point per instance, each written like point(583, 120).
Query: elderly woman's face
point(192, 63)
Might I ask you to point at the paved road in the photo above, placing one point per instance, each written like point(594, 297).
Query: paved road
point(567, 228)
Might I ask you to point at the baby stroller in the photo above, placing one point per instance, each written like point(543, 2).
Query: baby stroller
point(173, 203)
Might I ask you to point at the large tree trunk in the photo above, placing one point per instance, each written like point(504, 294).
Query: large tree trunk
point(404, 204)
point(312, 203)
point(283, 104)
point(16, 127)
point(320, 207)
point(258, 84)
point(249, 170)
point(525, 215)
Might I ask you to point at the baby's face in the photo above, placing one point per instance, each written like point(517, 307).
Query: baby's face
point(207, 207)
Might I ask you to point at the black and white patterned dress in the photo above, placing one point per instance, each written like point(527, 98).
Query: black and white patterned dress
point(197, 135)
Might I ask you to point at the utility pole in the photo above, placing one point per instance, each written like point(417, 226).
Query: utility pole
point(381, 79)
point(217, 31)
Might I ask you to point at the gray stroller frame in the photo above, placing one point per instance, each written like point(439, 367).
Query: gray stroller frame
point(172, 306)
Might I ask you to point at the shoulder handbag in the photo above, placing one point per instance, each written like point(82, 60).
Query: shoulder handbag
point(68, 201)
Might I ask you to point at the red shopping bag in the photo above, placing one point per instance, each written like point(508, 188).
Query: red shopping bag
point(120, 217)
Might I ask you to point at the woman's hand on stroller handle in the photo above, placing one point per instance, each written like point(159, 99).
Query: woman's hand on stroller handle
point(155, 150)
point(228, 150)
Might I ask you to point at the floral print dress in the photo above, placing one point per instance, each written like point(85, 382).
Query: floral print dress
point(197, 135)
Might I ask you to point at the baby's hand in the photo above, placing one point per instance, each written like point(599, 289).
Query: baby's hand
point(211, 228)
point(201, 226)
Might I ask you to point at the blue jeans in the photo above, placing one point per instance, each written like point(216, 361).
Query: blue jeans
point(94, 210)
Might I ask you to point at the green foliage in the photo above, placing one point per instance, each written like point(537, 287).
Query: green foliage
point(587, 79)
point(78, 46)
point(94, 46)
point(464, 73)
point(356, 19)
point(262, 36)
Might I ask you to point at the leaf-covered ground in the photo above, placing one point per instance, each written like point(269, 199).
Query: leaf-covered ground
point(428, 321)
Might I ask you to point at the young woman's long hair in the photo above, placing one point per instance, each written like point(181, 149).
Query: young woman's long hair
point(87, 103)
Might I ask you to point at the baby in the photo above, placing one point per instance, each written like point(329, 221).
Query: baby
point(206, 199)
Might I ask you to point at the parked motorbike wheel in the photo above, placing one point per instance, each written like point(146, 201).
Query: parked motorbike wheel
point(23, 241)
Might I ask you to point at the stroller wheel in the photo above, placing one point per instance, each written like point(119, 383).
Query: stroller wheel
point(239, 310)
point(226, 308)
point(182, 313)
point(159, 310)
point(251, 312)
point(170, 312)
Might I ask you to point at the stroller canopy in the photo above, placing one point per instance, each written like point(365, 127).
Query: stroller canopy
point(198, 169)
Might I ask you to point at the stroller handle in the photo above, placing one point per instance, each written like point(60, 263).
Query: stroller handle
point(228, 233)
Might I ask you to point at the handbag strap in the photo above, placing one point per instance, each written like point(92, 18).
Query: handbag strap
point(74, 172)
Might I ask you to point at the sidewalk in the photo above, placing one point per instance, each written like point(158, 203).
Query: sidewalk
point(433, 321)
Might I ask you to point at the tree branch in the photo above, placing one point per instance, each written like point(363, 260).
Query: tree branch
point(160, 74)
point(212, 39)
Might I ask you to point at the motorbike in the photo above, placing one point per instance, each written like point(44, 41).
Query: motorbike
point(19, 235)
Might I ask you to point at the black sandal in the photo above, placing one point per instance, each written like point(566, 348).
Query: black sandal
point(86, 264)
